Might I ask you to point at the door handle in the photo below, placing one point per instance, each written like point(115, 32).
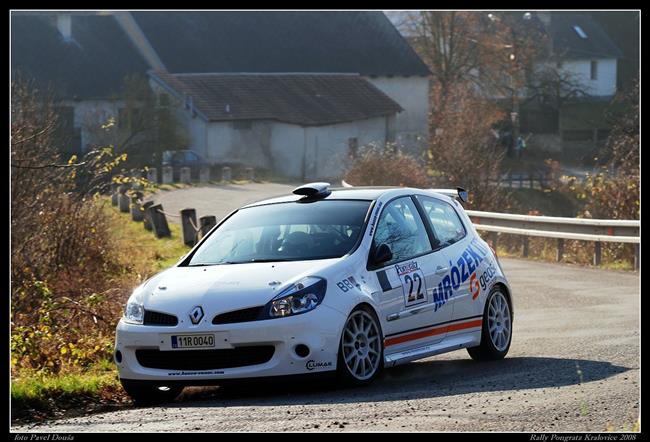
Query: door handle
point(440, 270)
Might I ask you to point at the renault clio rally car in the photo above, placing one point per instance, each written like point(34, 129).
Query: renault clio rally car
point(348, 280)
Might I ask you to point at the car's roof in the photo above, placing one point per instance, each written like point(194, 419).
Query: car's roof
point(369, 193)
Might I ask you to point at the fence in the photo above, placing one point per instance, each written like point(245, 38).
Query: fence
point(154, 217)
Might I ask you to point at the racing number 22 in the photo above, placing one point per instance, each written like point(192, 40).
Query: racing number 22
point(416, 279)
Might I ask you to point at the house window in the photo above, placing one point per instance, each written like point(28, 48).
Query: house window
point(242, 125)
point(594, 69)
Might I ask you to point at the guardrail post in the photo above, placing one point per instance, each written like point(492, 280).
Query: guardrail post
point(531, 177)
point(123, 198)
point(226, 173)
point(188, 221)
point(250, 174)
point(114, 194)
point(206, 223)
point(597, 253)
point(493, 237)
point(637, 253)
point(510, 178)
point(524, 251)
point(560, 249)
point(146, 218)
point(136, 210)
point(159, 221)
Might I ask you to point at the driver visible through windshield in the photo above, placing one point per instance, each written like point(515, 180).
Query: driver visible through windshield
point(285, 232)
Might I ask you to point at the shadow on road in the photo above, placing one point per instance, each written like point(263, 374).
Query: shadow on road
point(424, 379)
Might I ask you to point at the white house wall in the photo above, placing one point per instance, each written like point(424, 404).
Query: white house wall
point(412, 93)
point(284, 147)
point(90, 115)
point(604, 85)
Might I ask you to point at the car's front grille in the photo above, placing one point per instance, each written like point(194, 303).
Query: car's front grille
point(157, 318)
point(205, 359)
point(244, 315)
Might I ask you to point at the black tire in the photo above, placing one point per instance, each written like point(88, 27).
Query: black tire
point(345, 373)
point(150, 393)
point(487, 350)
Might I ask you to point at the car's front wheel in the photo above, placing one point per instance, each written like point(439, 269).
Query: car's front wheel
point(497, 328)
point(149, 393)
point(361, 351)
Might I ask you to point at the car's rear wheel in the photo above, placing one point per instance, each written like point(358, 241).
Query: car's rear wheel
point(148, 392)
point(361, 350)
point(496, 334)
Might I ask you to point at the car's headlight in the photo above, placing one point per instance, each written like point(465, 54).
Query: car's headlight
point(134, 311)
point(301, 297)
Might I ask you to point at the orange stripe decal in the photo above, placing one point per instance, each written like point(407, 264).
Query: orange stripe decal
point(432, 332)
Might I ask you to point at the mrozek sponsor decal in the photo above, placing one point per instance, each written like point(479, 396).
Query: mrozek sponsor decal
point(312, 365)
point(462, 270)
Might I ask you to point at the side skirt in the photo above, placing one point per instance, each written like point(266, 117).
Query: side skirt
point(450, 343)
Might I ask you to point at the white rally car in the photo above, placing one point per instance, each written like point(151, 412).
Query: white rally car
point(350, 280)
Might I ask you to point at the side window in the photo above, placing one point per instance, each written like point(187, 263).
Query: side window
point(401, 228)
point(445, 223)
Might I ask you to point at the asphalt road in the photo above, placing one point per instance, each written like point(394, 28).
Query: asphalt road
point(573, 366)
point(217, 200)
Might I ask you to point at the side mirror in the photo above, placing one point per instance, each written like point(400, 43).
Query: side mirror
point(382, 254)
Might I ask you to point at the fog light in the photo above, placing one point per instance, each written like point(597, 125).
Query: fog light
point(118, 356)
point(302, 350)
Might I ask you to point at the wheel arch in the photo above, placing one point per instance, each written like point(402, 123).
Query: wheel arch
point(506, 290)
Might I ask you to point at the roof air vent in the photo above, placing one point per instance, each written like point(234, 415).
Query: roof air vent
point(313, 190)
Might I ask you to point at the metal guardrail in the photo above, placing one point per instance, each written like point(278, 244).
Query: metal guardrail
point(559, 228)
point(603, 230)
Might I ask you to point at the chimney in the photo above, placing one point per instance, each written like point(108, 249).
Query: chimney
point(64, 25)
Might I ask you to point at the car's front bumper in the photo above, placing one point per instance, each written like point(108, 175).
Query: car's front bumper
point(319, 330)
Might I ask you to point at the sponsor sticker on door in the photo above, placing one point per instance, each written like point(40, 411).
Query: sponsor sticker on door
point(413, 283)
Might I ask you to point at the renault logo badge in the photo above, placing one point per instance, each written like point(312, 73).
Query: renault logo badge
point(196, 315)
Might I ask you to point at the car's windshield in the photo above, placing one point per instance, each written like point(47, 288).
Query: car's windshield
point(285, 232)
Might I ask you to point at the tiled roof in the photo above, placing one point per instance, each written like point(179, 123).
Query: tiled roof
point(363, 42)
point(303, 99)
point(92, 65)
point(567, 40)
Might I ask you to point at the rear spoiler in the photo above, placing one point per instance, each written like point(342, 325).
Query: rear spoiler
point(459, 192)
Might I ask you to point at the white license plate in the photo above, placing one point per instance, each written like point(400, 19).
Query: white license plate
point(193, 341)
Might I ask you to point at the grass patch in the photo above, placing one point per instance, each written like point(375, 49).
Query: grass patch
point(76, 390)
point(147, 254)
point(38, 395)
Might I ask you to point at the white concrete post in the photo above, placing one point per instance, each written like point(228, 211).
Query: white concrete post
point(204, 174)
point(226, 174)
point(167, 175)
point(152, 175)
point(186, 175)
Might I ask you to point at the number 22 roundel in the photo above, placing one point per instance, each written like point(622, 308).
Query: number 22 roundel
point(413, 283)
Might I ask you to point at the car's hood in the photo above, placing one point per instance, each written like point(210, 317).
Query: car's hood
point(222, 288)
